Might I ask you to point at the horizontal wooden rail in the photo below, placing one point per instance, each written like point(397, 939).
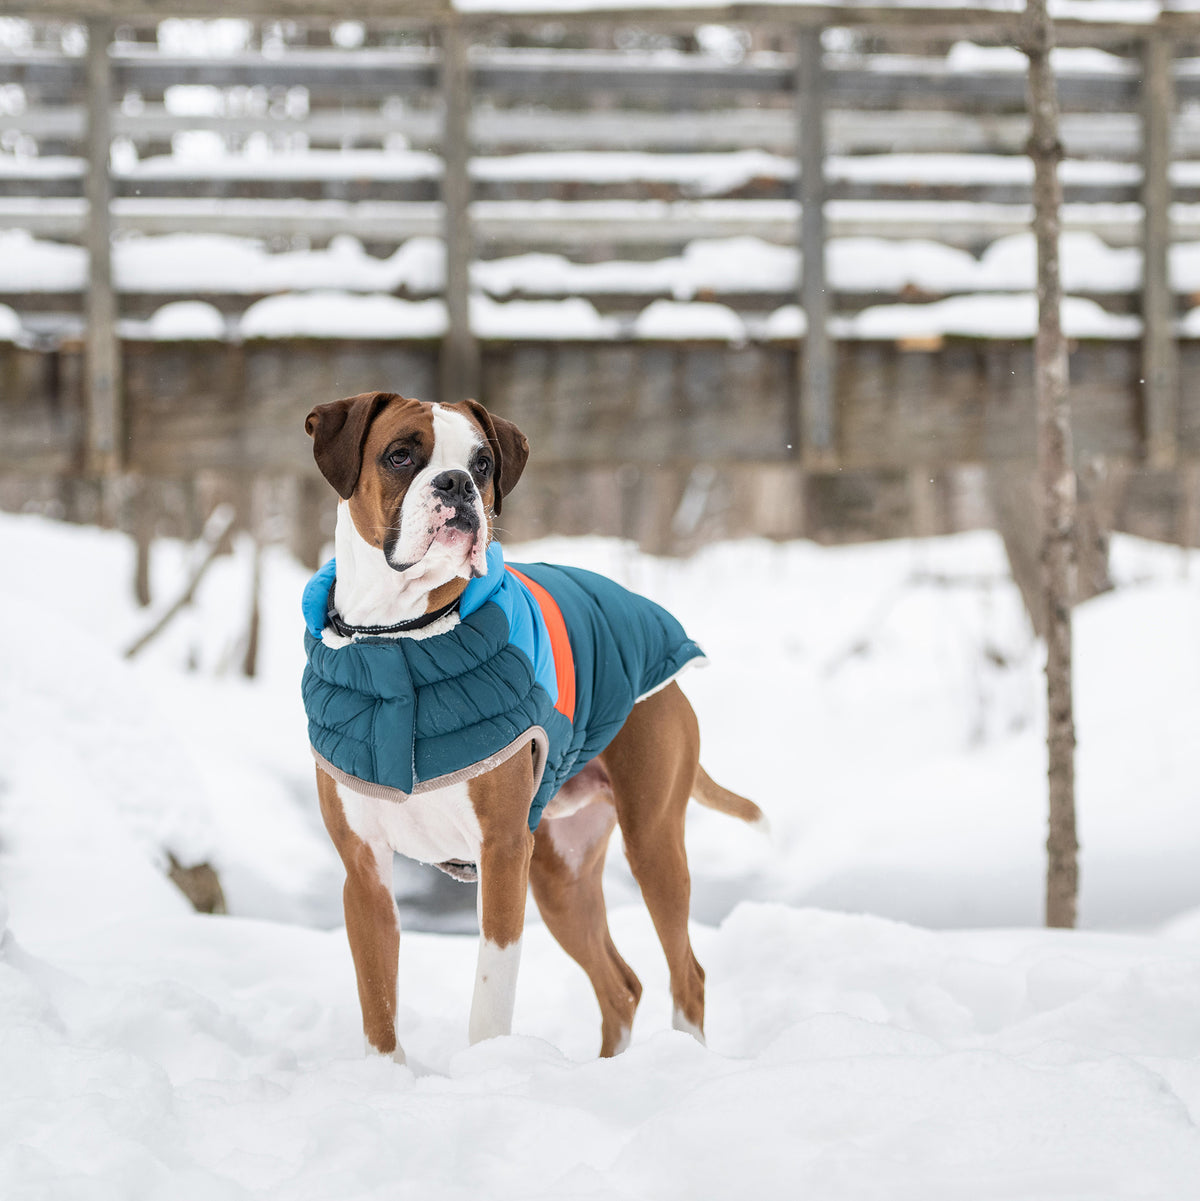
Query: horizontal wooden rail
point(979, 20)
point(1084, 135)
point(331, 76)
point(54, 309)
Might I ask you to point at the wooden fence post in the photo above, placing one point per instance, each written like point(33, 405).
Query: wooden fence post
point(103, 352)
point(1160, 355)
point(817, 432)
point(459, 365)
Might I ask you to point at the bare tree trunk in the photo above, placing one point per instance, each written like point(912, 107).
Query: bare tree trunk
point(250, 658)
point(143, 515)
point(1056, 472)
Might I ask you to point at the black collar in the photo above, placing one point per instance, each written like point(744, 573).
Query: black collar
point(414, 623)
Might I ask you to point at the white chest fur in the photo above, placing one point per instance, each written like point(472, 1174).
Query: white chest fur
point(430, 827)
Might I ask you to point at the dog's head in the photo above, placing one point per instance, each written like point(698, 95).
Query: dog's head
point(422, 481)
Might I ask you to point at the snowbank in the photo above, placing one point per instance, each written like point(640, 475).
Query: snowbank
point(331, 314)
point(182, 320)
point(996, 316)
point(672, 319)
point(574, 318)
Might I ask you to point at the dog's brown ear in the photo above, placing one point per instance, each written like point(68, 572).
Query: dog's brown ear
point(510, 449)
point(339, 430)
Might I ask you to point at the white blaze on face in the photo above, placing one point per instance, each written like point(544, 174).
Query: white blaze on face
point(425, 546)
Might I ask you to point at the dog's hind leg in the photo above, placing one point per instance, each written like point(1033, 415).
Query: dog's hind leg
point(652, 765)
point(568, 863)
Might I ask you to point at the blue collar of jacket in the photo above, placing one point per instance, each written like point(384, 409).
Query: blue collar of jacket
point(315, 601)
point(499, 586)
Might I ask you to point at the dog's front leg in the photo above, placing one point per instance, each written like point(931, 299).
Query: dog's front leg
point(501, 800)
point(372, 921)
point(503, 880)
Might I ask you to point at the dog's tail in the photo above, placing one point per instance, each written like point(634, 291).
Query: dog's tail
point(711, 795)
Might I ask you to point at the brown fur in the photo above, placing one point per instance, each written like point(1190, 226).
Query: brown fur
point(444, 594)
point(376, 501)
point(571, 901)
point(501, 802)
point(652, 763)
point(641, 782)
point(712, 796)
point(371, 923)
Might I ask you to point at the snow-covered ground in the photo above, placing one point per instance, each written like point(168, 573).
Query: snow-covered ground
point(888, 719)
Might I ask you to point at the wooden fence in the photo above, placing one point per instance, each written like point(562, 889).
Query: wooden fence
point(505, 124)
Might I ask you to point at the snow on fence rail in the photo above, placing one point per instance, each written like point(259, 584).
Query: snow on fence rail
point(482, 176)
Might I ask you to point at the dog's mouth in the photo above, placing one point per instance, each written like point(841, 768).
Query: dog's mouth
point(465, 520)
point(457, 540)
point(453, 536)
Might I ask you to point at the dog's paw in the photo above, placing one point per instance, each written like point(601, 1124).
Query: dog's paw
point(396, 1056)
point(679, 1021)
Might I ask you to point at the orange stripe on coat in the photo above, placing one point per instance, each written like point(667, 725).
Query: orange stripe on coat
point(560, 645)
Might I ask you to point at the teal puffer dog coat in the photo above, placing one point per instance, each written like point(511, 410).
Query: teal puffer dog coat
point(554, 656)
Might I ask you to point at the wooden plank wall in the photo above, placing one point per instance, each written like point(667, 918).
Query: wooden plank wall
point(670, 444)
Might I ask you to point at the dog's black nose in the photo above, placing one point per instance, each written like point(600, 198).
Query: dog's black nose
point(455, 486)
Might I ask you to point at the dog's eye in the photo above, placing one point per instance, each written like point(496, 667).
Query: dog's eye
point(399, 458)
point(483, 466)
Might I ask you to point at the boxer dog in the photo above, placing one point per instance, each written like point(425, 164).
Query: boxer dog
point(419, 486)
